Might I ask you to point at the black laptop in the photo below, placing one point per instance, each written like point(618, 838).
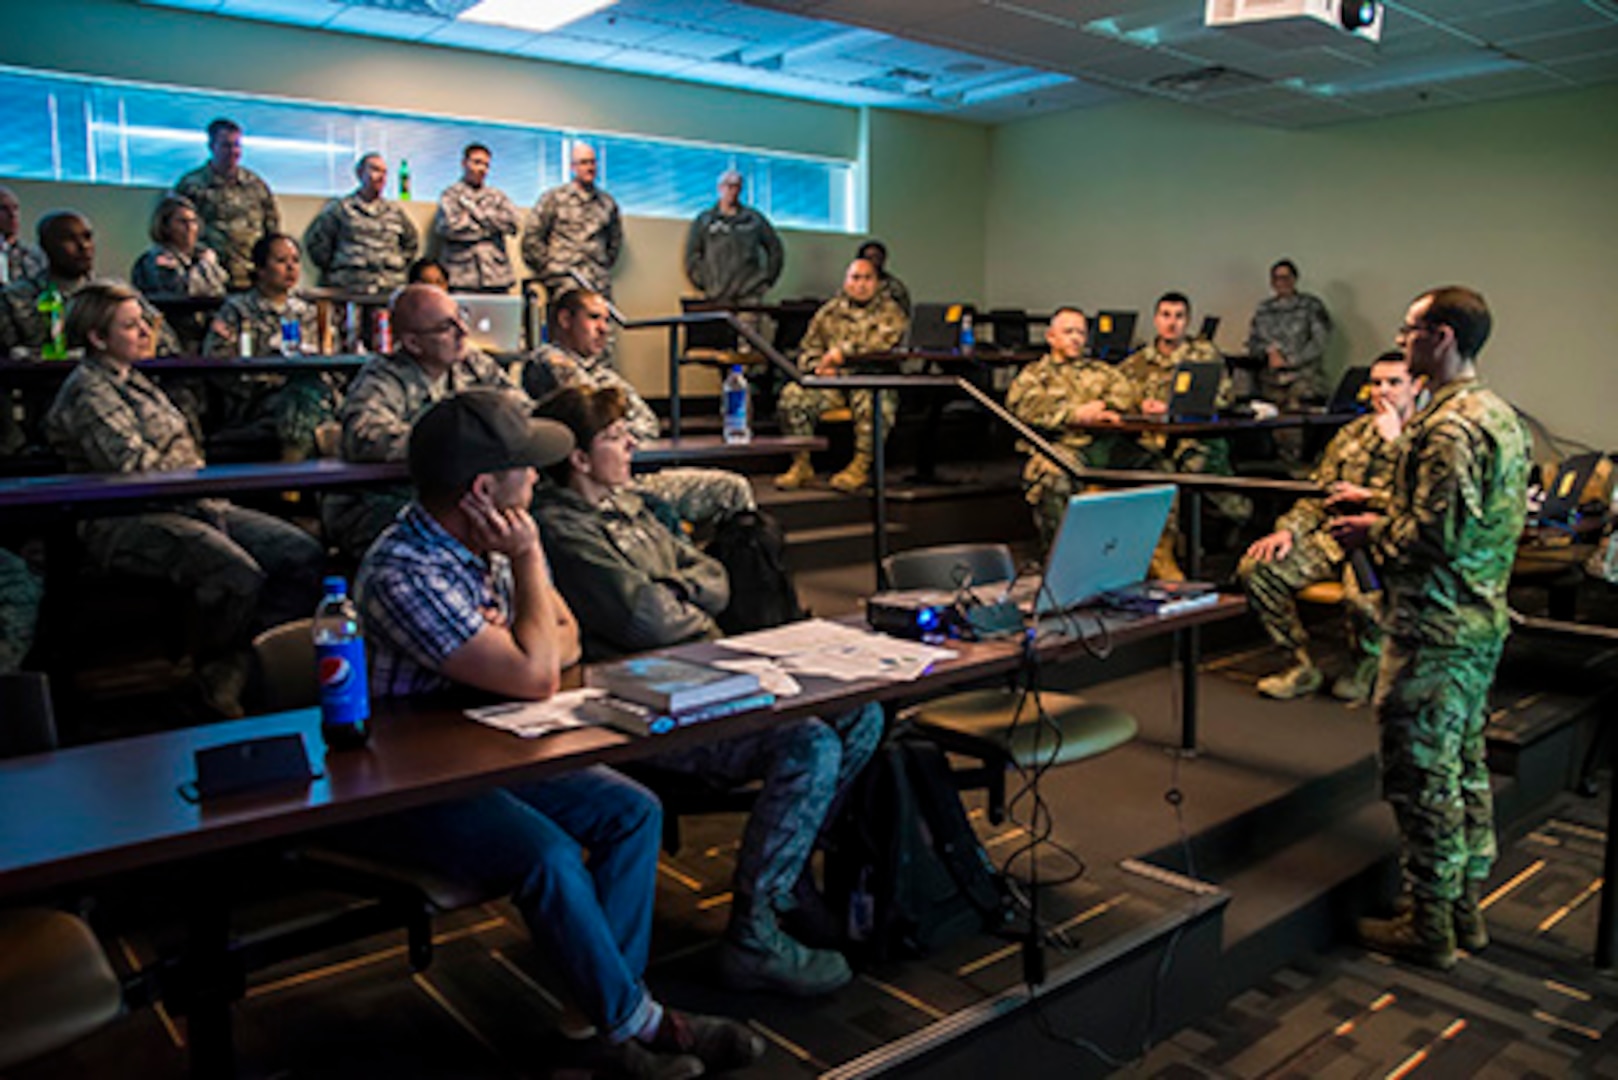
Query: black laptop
point(1195, 390)
point(1111, 335)
point(937, 327)
point(1562, 493)
point(1353, 393)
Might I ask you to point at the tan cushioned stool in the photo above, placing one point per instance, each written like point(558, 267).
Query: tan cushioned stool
point(55, 983)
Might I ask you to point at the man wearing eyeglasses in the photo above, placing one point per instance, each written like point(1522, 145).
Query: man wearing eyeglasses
point(1444, 548)
point(432, 361)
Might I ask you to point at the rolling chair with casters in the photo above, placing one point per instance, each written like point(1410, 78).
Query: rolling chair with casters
point(56, 985)
point(985, 724)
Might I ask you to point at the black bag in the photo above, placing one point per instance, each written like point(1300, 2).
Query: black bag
point(752, 548)
point(902, 861)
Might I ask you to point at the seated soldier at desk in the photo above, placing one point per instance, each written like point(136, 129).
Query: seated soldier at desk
point(638, 585)
point(1356, 469)
point(457, 593)
point(1151, 367)
point(431, 361)
point(860, 319)
point(246, 571)
point(576, 355)
point(176, 265)
point(1065, 395)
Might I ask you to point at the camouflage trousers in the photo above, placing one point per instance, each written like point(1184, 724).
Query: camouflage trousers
point(21, 591)
point(1048, 489)
point(1291, 392)
point(805, 766)
point(297, 408)
point(1272, 589)
point(700, 496)
point(798, 411)
point(1432, 704)
point(246, 571)
point(1211, 457)
point(352, 519)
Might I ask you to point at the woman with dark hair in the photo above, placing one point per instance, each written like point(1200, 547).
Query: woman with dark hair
point(254, 323)
point(635, 584)
point(109, 417)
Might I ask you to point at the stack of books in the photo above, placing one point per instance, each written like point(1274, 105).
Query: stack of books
point(651, 695)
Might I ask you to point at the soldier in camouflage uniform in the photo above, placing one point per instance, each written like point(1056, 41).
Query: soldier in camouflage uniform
point(235, 204)
point(1151, 368)
point(1445, 548)
point(1357, 468)
point(17, 259)
point(574, 228)
point(888, 285)
point(1290, 330)
point(362, 242)
point(21, 590)
point(299, 404)
point(1064, 395)
point(177, 266)
point(574, 356)
point(857, 320)
point(246, 570)
point(732, 252)
point(634, 584)
point(432, 362)
point(474, 219)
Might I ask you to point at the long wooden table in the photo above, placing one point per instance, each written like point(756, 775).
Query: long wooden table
point(74, 816)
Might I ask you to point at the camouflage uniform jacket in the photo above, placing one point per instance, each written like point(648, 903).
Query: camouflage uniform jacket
point(633, 583)
point(1299, 326)
point(262, 319)
point(1358, 454)
point(162, 271)
point(1455, 515)
point(551, 367)
point(895, 289)
point(840, 323)
point(1153, 373)
point(21, 260)
point(473, 224)
point(235, 212)
point(360, 245)
point(391, 391)
point(22, 324)
point(107, 420)
point(573, 229)
point(733, 256)
point(1045, 394)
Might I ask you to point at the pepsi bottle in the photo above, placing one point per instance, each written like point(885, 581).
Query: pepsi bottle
point(345, 699)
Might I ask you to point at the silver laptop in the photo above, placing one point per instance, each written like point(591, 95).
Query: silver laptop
point(1105, 542)
point(494, 323)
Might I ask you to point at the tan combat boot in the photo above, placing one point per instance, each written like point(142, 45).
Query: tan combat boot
point(1424, 935)
point(856, 476)
point(1299, 680)
point(799, 474)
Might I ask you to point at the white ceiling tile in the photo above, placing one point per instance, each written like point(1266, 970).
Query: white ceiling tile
point(1507, 84)
point(1137, 66)
point(1568, 46)
point(1404, 99)
point(1531, 21)
point(571, 50)
point(300, 12)
point(619, 28)
point(890, 13)
point(473, 35)
point(692, 44)
point(1589, 69)
point(1022, 39)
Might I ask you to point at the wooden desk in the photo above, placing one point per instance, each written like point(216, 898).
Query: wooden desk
point(1180, 429)
point(982, 354)
point(53, 371)
point(70, 492)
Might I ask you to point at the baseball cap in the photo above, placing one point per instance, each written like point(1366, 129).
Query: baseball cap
point(481, 431)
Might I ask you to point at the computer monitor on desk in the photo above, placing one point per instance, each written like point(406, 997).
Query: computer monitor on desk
point(937, 327)
point(1112, 335)
point(493, 323)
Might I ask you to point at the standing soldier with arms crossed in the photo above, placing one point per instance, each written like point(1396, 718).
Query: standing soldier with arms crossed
point(1445, 548)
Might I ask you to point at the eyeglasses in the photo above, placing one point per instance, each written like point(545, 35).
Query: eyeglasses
point(449, 326)
point(1407, 329)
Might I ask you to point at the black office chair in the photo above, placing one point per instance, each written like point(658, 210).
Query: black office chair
point(996, 726)
point(1010, 328)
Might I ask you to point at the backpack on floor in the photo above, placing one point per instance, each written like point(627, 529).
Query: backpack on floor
point(752, 548)
point(902, 861)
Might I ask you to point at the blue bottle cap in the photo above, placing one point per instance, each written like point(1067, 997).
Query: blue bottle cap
point(335, 584)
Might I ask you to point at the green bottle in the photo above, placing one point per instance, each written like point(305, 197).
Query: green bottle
point(50, 307)
point(404, 180)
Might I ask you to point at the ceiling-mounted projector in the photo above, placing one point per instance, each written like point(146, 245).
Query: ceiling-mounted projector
point(1296, 24)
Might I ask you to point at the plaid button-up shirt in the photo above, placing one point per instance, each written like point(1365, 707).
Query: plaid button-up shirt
point(422, 595)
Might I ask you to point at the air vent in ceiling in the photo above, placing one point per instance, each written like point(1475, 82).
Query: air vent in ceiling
point(1207, 82)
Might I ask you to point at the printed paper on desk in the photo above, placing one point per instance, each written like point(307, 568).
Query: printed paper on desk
point(832, 650)
point(809, 635)
point(531, 719)
point(771, 676)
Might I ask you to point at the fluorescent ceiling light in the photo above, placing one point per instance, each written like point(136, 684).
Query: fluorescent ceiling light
point(539, 16)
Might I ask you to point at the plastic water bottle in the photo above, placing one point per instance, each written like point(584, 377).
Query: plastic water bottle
point(50, 307)
point(404, 180)
point(291, 336)
point(345, 698)
point(968, 338)
point(734, 394)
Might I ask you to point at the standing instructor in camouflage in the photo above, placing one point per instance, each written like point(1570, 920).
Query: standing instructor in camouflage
point(362, 242)
point(574, 229)
point(1445, 549)
point(235, 204)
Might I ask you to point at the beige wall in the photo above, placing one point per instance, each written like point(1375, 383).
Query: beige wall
point(921, 170)
point(1110, 207)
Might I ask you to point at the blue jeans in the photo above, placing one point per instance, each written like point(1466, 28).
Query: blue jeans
point(529, 840)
